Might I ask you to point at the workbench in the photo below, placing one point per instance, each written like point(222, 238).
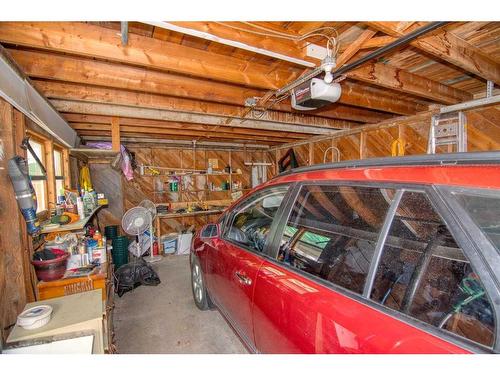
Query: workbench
point(180, 215)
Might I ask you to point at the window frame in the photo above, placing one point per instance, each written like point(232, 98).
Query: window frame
point(438, 199)
point(228, 219)
point(35, 138)
point(477, 247)
point(61, 177)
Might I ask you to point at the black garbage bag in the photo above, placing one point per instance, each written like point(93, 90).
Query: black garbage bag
point(131, 275)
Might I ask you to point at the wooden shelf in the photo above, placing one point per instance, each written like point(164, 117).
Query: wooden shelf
point(77, 225)
point(92, 153)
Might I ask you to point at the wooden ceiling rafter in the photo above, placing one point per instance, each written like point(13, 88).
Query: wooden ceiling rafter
point(165, 115)
point(150, 53)
point(447, 46)
point(78, 118)
point(124, 130)
point(72, 91)
point(202, 85)
point(101, 43)
point(99, 73)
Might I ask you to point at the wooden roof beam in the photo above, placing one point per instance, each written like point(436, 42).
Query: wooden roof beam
point(100, 42)
point(158, 114)
point(127, 121)
point(63, 90)
point(186, 136)
point(91, 72)
point(85, 128)
point(403, 81)
point(448, 47)
point(233, 34)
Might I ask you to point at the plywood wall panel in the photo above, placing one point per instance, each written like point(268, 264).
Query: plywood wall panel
point(483, 134)
point(348, 147)
point(319, 149)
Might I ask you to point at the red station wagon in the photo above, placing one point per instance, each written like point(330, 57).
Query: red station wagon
point(391, 255)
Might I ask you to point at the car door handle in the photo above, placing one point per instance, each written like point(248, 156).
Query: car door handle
point(243, 279)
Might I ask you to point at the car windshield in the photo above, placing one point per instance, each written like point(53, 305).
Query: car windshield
point(484, 209)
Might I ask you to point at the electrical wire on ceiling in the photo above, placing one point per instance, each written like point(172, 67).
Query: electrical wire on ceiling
point(332, 41)
point(332, 48)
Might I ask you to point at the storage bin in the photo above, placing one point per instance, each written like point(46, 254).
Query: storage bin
point(169, 243)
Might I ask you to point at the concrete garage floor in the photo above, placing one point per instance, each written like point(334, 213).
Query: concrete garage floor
point(164, 319)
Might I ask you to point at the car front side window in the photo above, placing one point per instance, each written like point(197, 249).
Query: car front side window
point(250, 223)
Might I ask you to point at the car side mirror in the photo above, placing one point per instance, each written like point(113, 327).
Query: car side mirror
point(210, 231)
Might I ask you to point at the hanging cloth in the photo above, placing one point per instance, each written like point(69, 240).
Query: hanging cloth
point(85, 181)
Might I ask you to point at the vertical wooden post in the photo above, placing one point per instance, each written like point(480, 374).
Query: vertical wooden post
point(276, 158)
point(362, 145)
point(311, 153)
point(12, 242)
point(115, 133)
point(51, 177)
point(30, 279)
point(66, 169)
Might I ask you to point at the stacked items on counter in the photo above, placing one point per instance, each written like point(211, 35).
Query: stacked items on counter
point(71, 255)
point(75, 205)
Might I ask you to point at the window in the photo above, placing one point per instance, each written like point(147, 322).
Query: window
point(58, 172)
point(484, 209)
point(332, 231)
point(38, 180)
point(251, 222)
point(425, 274)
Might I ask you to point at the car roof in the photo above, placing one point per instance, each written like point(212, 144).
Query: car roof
point(472, 169)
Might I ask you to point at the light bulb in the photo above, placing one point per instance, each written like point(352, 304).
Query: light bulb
point(328, 78)
point(327, 65)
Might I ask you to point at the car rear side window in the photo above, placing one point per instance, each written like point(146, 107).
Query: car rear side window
point(484, 209)
point(332, 231)
point(249, 224)
point(423, 273)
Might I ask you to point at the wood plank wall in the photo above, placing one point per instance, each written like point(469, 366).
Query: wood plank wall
point(483, 134)
point(16, 282)
point(143, 187)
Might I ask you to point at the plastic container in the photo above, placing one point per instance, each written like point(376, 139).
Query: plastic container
point(169, 243)
point(120, 251)
point(49, 270)
point(184, 245)
point(111, 231)
point(35, 317)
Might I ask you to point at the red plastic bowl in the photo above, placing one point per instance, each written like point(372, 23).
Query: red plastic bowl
point(49, 270)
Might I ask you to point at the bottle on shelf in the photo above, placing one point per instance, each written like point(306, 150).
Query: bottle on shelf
point(79, 205)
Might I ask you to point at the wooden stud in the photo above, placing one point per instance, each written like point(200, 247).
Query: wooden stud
point(66, 168)
point(115, 133)
point(311, 153)
point(362, 145)
point(51, 179)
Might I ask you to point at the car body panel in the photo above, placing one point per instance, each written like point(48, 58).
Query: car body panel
point(293, 314)
point(285, 311)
